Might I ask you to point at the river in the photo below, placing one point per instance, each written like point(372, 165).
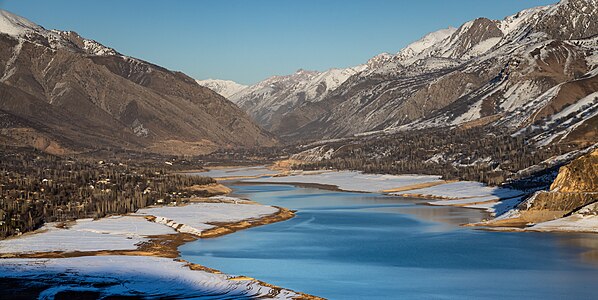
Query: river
point(344, 245)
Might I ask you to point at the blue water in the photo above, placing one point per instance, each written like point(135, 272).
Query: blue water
point(367, 246)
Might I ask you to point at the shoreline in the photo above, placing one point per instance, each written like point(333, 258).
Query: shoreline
point(495, 203)
point(166, 245)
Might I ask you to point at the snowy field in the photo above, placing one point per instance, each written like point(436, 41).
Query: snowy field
point(128, 276)
point(125, 276)
point(471, 195)
point(127, 232)
point(194, 218)
point(354, 181)
point(465, 189)
point(112, 233)
point(237, 172)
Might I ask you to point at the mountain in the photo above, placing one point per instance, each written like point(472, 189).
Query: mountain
point(486, 71)
point(226, 88)
point(63, 93)
point(269, 101)
point(534, 71)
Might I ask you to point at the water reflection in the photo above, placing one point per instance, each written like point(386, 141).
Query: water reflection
point(587, 243)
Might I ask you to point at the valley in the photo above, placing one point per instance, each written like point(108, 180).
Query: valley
point(463, 165)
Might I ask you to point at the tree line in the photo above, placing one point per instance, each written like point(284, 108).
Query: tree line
point(489, 155)
point(36, 188)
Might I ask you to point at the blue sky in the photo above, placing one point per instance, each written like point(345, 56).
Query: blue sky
point(249, 40)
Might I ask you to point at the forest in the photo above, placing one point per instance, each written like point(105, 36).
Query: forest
point(36, 187)
point(483, 154)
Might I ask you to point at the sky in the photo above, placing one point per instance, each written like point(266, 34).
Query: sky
point(250, 40)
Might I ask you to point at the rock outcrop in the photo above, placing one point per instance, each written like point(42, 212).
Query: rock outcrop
point(575, 190)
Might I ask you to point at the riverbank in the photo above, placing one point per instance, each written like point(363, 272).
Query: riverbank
point(466, 194)
point(341, 244)
point(500, 203)
point(148, 242)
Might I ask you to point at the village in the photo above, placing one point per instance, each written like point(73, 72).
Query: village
point(36, 188)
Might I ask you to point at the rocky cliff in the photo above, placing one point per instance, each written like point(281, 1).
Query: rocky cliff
point(575, 190)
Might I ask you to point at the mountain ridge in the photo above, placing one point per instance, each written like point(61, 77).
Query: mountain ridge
point(484, 72)
point(80, 95)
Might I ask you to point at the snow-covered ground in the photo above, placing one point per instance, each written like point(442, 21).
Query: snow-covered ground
point(113, 233)
point(584, 220)
point(463, 193)
point(470, 194)
point(152, 277)
point(354, 181)
point(127, 232)
point(116, 275)
point(194, 218)
point(573, 223)
point(466, 189)
point(238, 172)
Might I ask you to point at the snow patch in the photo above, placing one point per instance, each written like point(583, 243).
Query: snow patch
point(194, 218)
point(113, 233)
point(353, 180)
point(132, 276)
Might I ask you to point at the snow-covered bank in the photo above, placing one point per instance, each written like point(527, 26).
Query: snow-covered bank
point(129, 232)
point(112, 233)
point(237, 172)
point(116, 256)
point(470, 194)
point(353, 181)
point(122, 276)
point(573, 223)
point(462, 193)
point(195, 218)
point(583, 220)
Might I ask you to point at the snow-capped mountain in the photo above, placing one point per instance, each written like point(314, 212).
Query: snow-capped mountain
point(226, 88)
point(535, 70)
point(23, 29)
point(270, 100)
point(62, 93)
point(429, 40)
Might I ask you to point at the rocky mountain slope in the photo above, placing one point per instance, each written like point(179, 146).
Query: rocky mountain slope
point(63, 93)
point(572, 194)
point(270, 101)
point(534, 71)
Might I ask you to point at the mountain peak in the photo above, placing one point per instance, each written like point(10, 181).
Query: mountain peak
point(14, 25)
point(85, 96)
point(379, 60)
point(425, 43)
point(226, 88)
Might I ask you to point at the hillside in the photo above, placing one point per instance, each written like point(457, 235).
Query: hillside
point(63, 93)
point(571, 197)
point(533, 71)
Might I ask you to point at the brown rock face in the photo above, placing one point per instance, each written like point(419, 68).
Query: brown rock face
point(81, 95)
point(580, 176)
point(560, 25)
point(575, 187)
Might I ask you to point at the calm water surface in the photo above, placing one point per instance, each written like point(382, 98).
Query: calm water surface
point(367, 246)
